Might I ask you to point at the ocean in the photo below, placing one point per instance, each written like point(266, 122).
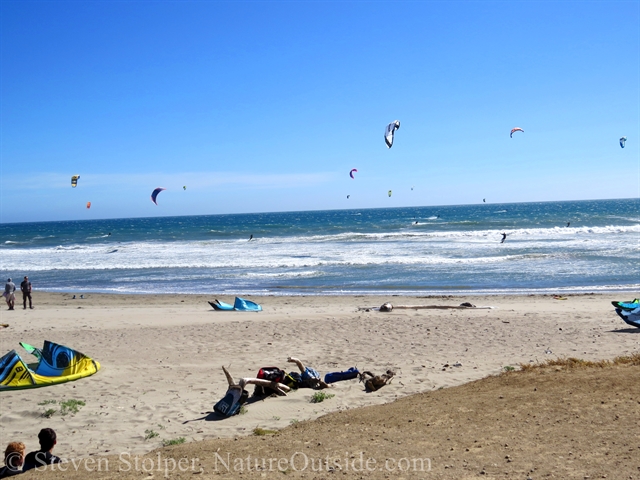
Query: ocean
point(551, 247)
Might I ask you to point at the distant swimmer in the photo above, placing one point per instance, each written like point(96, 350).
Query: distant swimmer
point(250, 237)
point(416, 222)
point(504, 237)
point(108, 234)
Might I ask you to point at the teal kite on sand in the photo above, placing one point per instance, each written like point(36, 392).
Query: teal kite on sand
point(629, 312)
point(240, 305)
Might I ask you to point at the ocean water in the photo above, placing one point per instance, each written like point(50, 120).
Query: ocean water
point(450, 250)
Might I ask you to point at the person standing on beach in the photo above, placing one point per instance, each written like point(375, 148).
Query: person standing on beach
point(9, 293)
point(25, 286)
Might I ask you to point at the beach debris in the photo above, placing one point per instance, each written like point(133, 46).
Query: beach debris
point(4, 325)
point(548, 352)
point(390, 131)
point(513, 130)
point(351, 172)
point(388, 307)
point(623, 140)
point(558, 297)
point(155, 193)
point(457, 364)
point(374, 382)
point(74, 180)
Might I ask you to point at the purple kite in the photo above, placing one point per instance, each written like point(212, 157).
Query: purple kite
point(351, 173)
point(155, 193)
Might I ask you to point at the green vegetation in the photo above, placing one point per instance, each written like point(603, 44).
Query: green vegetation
point(174, 441)
point(294, 421)
point(48, 402)
point(70, 406)
point(49, 412)
point(148, 434)
point(262, 431)
point(321, 397)
point(509, 368)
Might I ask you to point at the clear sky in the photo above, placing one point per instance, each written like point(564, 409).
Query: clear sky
point(266, 106)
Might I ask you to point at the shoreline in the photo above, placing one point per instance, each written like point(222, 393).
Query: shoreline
point(161, 356)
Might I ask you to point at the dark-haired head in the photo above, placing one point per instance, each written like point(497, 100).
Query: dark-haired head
point(47, 437)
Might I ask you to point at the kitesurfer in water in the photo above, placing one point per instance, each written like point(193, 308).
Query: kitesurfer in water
point(250, 237)
point(504, 237)
point(568, 223)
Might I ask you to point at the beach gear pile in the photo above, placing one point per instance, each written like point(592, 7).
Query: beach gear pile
point(56, 364)
point(629, 311)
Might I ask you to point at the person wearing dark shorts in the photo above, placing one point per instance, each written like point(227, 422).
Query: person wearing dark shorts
point(25, 286)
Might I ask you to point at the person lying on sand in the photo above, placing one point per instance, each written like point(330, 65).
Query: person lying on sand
point(310, 376)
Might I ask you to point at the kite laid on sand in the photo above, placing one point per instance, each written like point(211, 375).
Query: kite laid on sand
point(629, 312)
point(56, 364)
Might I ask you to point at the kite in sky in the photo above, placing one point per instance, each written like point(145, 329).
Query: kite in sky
point(88, 204)
point(389, 193)
point(390, 131)
point(623, 140)
point(517, 129)
point(351, 172)
point(155, 193)
point(74, 180)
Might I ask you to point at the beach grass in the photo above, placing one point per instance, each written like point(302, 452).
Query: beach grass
point(173, 441)
point(321, 397)
point(575, 363)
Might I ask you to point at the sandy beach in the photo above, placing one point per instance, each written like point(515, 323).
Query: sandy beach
point(161, 357)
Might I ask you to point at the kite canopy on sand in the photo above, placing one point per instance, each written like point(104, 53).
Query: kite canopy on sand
point(155, 193)
point(517, 129)
point(629, 312)
point(56, 364)
point(74, 180)
point(390, 131)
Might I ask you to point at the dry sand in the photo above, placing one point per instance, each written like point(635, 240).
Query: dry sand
point(161, 358)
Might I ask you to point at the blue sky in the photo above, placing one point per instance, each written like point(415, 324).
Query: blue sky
point(266, 106)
